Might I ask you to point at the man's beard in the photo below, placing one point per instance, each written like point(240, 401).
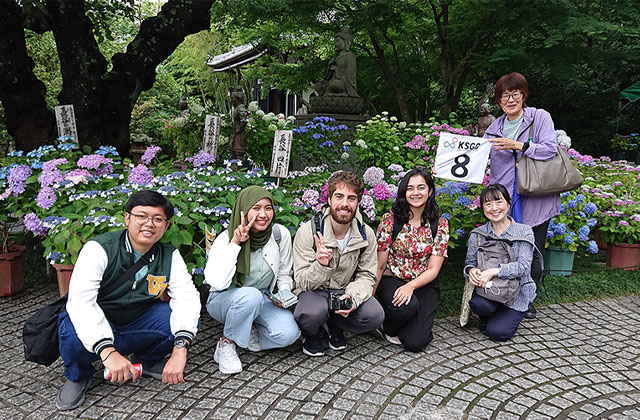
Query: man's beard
point(340, 219)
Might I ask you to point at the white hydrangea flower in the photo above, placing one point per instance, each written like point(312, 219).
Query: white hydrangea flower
point(402, 125)
point(394, 119)
point(253, 106)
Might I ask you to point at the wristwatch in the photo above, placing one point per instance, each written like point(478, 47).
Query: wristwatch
point(181, 342)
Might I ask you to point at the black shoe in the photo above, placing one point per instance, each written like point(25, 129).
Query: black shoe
point(71, 395)
point(531, 312)
point(337, 341)
point(312, 346)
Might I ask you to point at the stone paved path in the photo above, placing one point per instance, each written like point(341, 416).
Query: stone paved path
point(577, 361)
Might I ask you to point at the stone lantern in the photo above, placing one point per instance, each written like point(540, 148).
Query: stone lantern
point(139, 142)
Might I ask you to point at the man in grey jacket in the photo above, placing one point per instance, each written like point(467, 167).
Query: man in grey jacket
point(342, 263)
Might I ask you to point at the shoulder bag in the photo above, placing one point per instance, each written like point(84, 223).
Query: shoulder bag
point(544, 177)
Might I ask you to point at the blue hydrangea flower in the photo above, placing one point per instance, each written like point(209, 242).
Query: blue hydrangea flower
point(564, 195)
point(464, 201)
point(572, 204)
point(560, 229)
point(592, 222)
point(593, 247)
point(446, 216)
point(568, 240)
point(460, 232)
point(584, 230)
point(563, 208)
point(582, 214)
point(590, 208)
point(580, 198)
point(550, 234)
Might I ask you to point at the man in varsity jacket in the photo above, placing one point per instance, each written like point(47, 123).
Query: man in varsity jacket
point(130, 320)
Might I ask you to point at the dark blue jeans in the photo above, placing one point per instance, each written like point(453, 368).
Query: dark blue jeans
point(502, 322)
point(149, 337)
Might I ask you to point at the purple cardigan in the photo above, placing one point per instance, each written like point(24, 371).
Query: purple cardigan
point(543, 146)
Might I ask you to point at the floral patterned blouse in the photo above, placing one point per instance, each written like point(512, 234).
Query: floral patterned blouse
point(409, 253)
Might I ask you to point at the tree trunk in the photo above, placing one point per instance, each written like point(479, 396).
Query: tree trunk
point(102, 100)
point(28, 120)
point(397, 90)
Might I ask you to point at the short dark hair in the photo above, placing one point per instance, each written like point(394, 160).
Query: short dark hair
point(511, 81)
point(345, 177)
point(151, 199)
point(401, 208)
point(495, 192)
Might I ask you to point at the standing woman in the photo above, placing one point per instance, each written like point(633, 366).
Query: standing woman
point(511, 139)
point(498, 321)
point(244, 262)
point(408, 266)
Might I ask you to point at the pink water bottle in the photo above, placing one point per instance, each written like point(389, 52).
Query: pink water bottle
point(136, 366)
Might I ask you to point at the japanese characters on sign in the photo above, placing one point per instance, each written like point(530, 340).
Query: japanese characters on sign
point(281, 153)
point(211, 134)
point(66, 120)
point(462, 158)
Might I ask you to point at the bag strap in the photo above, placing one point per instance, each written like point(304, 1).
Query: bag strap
point(510, 241)
point(533, 121)
point(144, 260)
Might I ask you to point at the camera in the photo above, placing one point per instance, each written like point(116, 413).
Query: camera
point(337, 304)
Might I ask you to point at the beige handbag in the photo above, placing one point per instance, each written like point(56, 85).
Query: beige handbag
point(544, 177)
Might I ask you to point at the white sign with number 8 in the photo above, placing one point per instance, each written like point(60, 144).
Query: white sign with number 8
point(462, 158)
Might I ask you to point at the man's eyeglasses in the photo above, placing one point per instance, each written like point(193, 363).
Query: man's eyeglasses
point(141, 219)
point(515, 95)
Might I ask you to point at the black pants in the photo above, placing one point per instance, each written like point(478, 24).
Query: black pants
point(412, 323)
point(540, 237)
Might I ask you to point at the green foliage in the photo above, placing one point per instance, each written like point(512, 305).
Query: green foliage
point(318, 141)
point(261, 130)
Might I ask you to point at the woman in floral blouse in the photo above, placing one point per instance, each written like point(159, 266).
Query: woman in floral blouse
point(408, 266)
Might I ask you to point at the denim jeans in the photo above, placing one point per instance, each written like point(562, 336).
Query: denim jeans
point(238, 309)
point(149, 337)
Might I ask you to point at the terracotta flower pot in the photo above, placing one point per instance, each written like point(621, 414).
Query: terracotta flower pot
point(597, 236)
point(12, 270)
point(64, 272)
point(625, 256)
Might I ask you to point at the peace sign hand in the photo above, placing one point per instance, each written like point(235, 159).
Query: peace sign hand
point(323, 254)
point(241, 234)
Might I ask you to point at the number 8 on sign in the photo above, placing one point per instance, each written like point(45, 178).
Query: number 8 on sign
point(460, 168)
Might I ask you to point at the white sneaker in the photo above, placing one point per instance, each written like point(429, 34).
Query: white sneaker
point(393, 340)
point(227, 358)
point(254, 340)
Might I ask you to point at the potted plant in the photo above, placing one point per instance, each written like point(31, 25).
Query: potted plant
point(621, 229)
point(569, 231)
point(16, 183)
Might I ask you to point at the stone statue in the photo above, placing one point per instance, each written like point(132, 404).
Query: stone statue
point(238, 144)
point(485, 119)
point(340, 79)
point(338, 93)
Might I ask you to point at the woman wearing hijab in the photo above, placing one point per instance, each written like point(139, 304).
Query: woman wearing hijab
point(245, 262)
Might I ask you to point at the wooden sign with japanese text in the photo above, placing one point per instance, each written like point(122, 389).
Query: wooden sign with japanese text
point(211, 134)
point(66, 121)
point(281, 153)
point(462, 158)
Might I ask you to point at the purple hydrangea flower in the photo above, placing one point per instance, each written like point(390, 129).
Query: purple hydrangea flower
point(46, 197)
point(380, 192)
point(34, 224)
point(150, 153)
point(140, 175)
point(201, 159)
point(368, 207)
point(50, 172)
point(18, 179)
point(93, 161)
point(373, 176)
point(311, 197)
